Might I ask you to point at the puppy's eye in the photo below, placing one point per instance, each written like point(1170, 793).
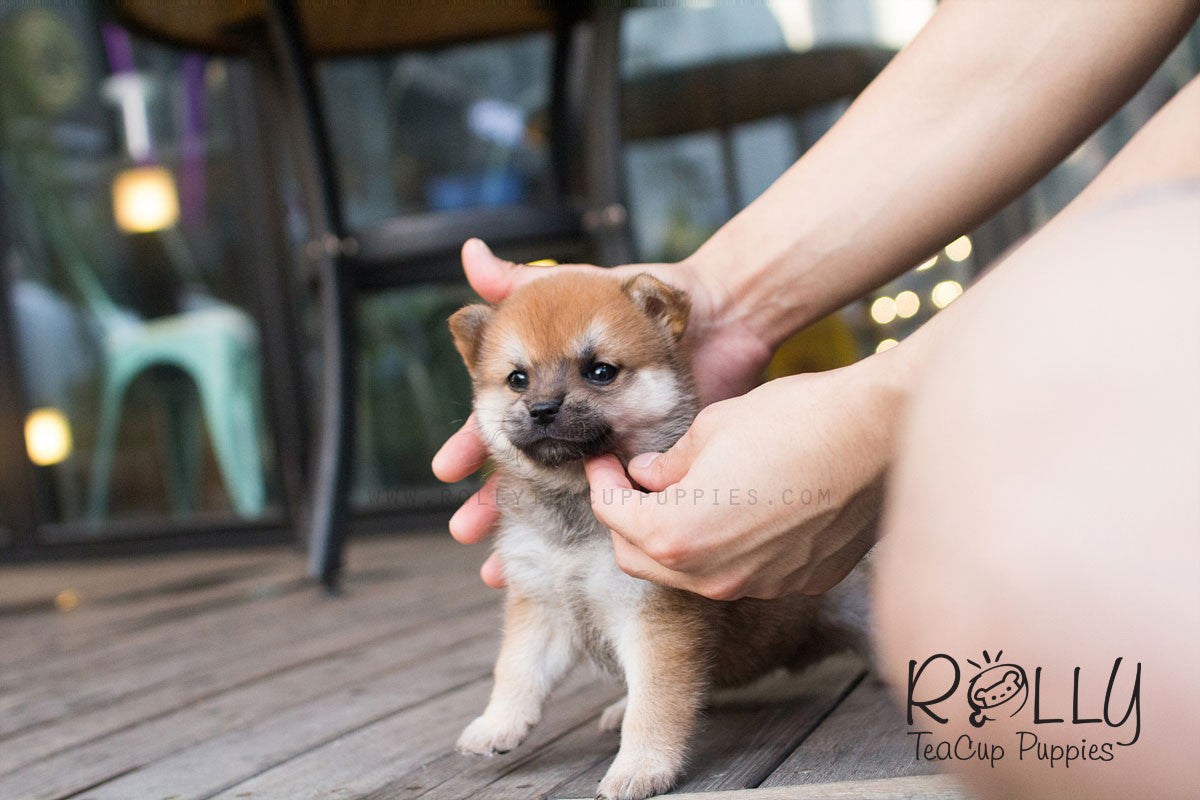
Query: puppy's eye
point(518, 381)
point(600, 373)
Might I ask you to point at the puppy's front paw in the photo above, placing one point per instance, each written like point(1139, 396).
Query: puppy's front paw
point(638, 777)
point(611, 717)
point(487, 736)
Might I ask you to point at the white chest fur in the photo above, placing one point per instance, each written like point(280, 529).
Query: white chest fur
point(572, 572)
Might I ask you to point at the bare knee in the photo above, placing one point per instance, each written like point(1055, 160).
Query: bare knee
point(1044, 501)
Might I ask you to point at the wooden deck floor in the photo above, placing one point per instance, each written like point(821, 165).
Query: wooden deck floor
point(226, 675)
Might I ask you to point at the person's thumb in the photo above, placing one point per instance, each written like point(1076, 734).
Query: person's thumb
point(657, 471)
point(490, 276)
point(614, 500)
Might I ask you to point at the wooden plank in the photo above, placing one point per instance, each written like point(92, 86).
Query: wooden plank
point(253, 656)
point(38, 638)
point(367, 759)
point(260, 724)
point(452, 776)
point(920, 787)
point(864, 738)
point(30, 588)
point(229, 648)
point(35, 638)
point(559, 762)
point(152, 658)
point(748, 732)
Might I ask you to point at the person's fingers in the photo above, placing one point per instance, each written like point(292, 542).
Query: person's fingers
point(634, 562)
point(606, 472)
point(492, 572)
point(616, 503)
point(492, 277)
point(657, 471)
point(461, 455)
point(610, 490)
point(476, 518)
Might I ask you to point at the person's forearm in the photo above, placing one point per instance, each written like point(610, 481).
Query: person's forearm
point(1162, 154)
point(987, 98)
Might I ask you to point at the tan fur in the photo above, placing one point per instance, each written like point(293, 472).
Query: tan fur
point(566, 595)
point(579, 300)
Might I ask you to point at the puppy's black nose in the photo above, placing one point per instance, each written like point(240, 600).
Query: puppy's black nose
point(543, 413)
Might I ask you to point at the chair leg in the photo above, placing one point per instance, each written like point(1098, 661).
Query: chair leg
point(184, 454)
point(329, 512)
point(229, 410)
point(111, 396)
point(317, 175)
point(253, 426)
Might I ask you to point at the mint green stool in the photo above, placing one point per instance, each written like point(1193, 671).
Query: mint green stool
point(216, 347)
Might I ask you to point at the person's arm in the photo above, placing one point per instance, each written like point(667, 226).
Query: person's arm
point(987, 99)
point(727, 515)
point(989, 96)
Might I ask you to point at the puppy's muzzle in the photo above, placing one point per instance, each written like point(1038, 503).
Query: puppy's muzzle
point(544, 413)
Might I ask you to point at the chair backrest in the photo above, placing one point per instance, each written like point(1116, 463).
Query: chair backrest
point(40, 170)
point(720, 95)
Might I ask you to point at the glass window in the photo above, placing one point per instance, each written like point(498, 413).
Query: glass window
point(413, 393)
point(441, 129)
point(128, 258)
point(682, 188)
point(420, 132)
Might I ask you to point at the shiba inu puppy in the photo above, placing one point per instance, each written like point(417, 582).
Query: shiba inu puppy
point(571, 366)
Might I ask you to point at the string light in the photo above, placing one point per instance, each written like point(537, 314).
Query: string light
point(883, 310)
point(907, 304)
point(945, 293)
point(959, 249)
point(927, 264)
point(885, 345)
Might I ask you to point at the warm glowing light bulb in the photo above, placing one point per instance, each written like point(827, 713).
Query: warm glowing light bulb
point(47, 436)
point(945, 293)
point(959, 249)
point(145, 199)
point(907, 304)
point(927, 264)
point(883, 310)
point(886, 344)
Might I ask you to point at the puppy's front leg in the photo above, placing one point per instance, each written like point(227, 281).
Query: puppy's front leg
point(537, 651)
point(666, 676)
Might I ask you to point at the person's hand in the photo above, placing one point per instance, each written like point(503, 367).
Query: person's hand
point(771, 493)
point(728, 359)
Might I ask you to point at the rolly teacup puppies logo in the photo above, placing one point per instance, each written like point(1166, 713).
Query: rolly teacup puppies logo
point(1001, 689)
point(998, 690)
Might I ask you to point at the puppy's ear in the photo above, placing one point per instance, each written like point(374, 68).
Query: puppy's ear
point(666, 305)
point(467, 326)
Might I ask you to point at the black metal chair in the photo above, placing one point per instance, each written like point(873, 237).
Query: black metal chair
point(282, 39)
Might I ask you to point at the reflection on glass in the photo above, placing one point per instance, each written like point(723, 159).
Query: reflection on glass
point(440, 130)
point(414, 390)
point(139, 361)
point(682, 188)
point(428, 132)
point(47, 436)
point(145, 199)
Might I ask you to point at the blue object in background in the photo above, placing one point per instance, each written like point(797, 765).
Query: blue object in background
point(491, 188)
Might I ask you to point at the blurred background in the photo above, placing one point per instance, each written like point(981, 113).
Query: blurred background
point(160, 326)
